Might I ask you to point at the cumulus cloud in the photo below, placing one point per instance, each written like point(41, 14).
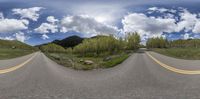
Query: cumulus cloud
point(161, 10)
point(86, 24)
point(13, 25)
point(170, 21)
point(49, 27)
point(7, 38)
point(52, 19)
point(29, 13)
point(20, 36)
point(187, 21)
point(186, 36)
point(108, 13)
point(138, 22)
point(44, 37)
point(196, 28)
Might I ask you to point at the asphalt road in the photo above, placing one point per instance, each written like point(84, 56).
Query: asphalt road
point(139, 77)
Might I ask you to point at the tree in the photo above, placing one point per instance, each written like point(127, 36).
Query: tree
point(52, 48)
point(133, 41)
point(158, 42)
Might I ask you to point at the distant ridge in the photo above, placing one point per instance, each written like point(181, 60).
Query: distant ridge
point(14, 44)
point(69, 41)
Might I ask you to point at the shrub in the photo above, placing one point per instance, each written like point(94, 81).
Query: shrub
point(52, 48)
point(99, 45)
point(133, 41)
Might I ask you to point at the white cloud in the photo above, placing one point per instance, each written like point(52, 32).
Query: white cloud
point(29, 13)
point(196, 28)
point(86, 24)
point(13, 25)
point(108, 13)
point(161, 10)
point(50, 27)
point(168, 15)
point(187, 21)
point(167, 22)
point(138, 22)
point(47, 28)
point(156, 9)
point(44, 37)
point(7, 38)
point(186, 36)
point(52, 19)
point(20, 36)
point(153, 8)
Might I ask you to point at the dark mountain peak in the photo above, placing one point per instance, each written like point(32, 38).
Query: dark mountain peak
point(69, 41)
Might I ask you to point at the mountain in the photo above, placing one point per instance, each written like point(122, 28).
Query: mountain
point(69, 41)
point(14, 44)
point(98, 36)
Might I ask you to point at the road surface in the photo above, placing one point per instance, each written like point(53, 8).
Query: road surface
point(139, 77)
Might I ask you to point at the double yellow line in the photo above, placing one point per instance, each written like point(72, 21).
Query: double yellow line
point(13, 68)
point(171, 68)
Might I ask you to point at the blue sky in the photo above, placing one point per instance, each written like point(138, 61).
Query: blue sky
point(39, 21)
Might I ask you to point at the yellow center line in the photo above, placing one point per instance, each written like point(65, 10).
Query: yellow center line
point(171, 68)
point(13, 68)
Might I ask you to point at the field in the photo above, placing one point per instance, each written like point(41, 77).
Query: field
point(78, 63)
point(7, 53)
point(183, 53)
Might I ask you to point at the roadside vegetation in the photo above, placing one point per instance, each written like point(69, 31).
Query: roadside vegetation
point(184, 49)
point(93, 53)
point(13, 49)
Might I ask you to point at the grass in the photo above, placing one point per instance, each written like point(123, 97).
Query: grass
point(77, 62)
point(115, 61)
point(7, 53)
point(183, 53)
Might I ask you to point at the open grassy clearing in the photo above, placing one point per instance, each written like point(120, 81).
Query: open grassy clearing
point(183, 53)
point(78, 62)
point(7, 53)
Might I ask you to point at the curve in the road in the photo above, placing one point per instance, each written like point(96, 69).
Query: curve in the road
point(13, 68)
point(171, 68)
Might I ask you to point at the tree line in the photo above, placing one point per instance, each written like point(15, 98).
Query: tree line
point(98, 45)
point(107, 45)
point(160, 42)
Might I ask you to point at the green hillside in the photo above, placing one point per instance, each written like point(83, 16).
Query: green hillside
point(12, 49)
point(14, 44)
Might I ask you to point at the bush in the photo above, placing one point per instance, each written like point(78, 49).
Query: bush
point(69, 50)
point(52, 48)
point(164, 43)
point(158, 42)
point(133, 41)
point(99, 45)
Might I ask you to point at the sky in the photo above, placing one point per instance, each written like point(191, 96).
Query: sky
point(40, 21)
